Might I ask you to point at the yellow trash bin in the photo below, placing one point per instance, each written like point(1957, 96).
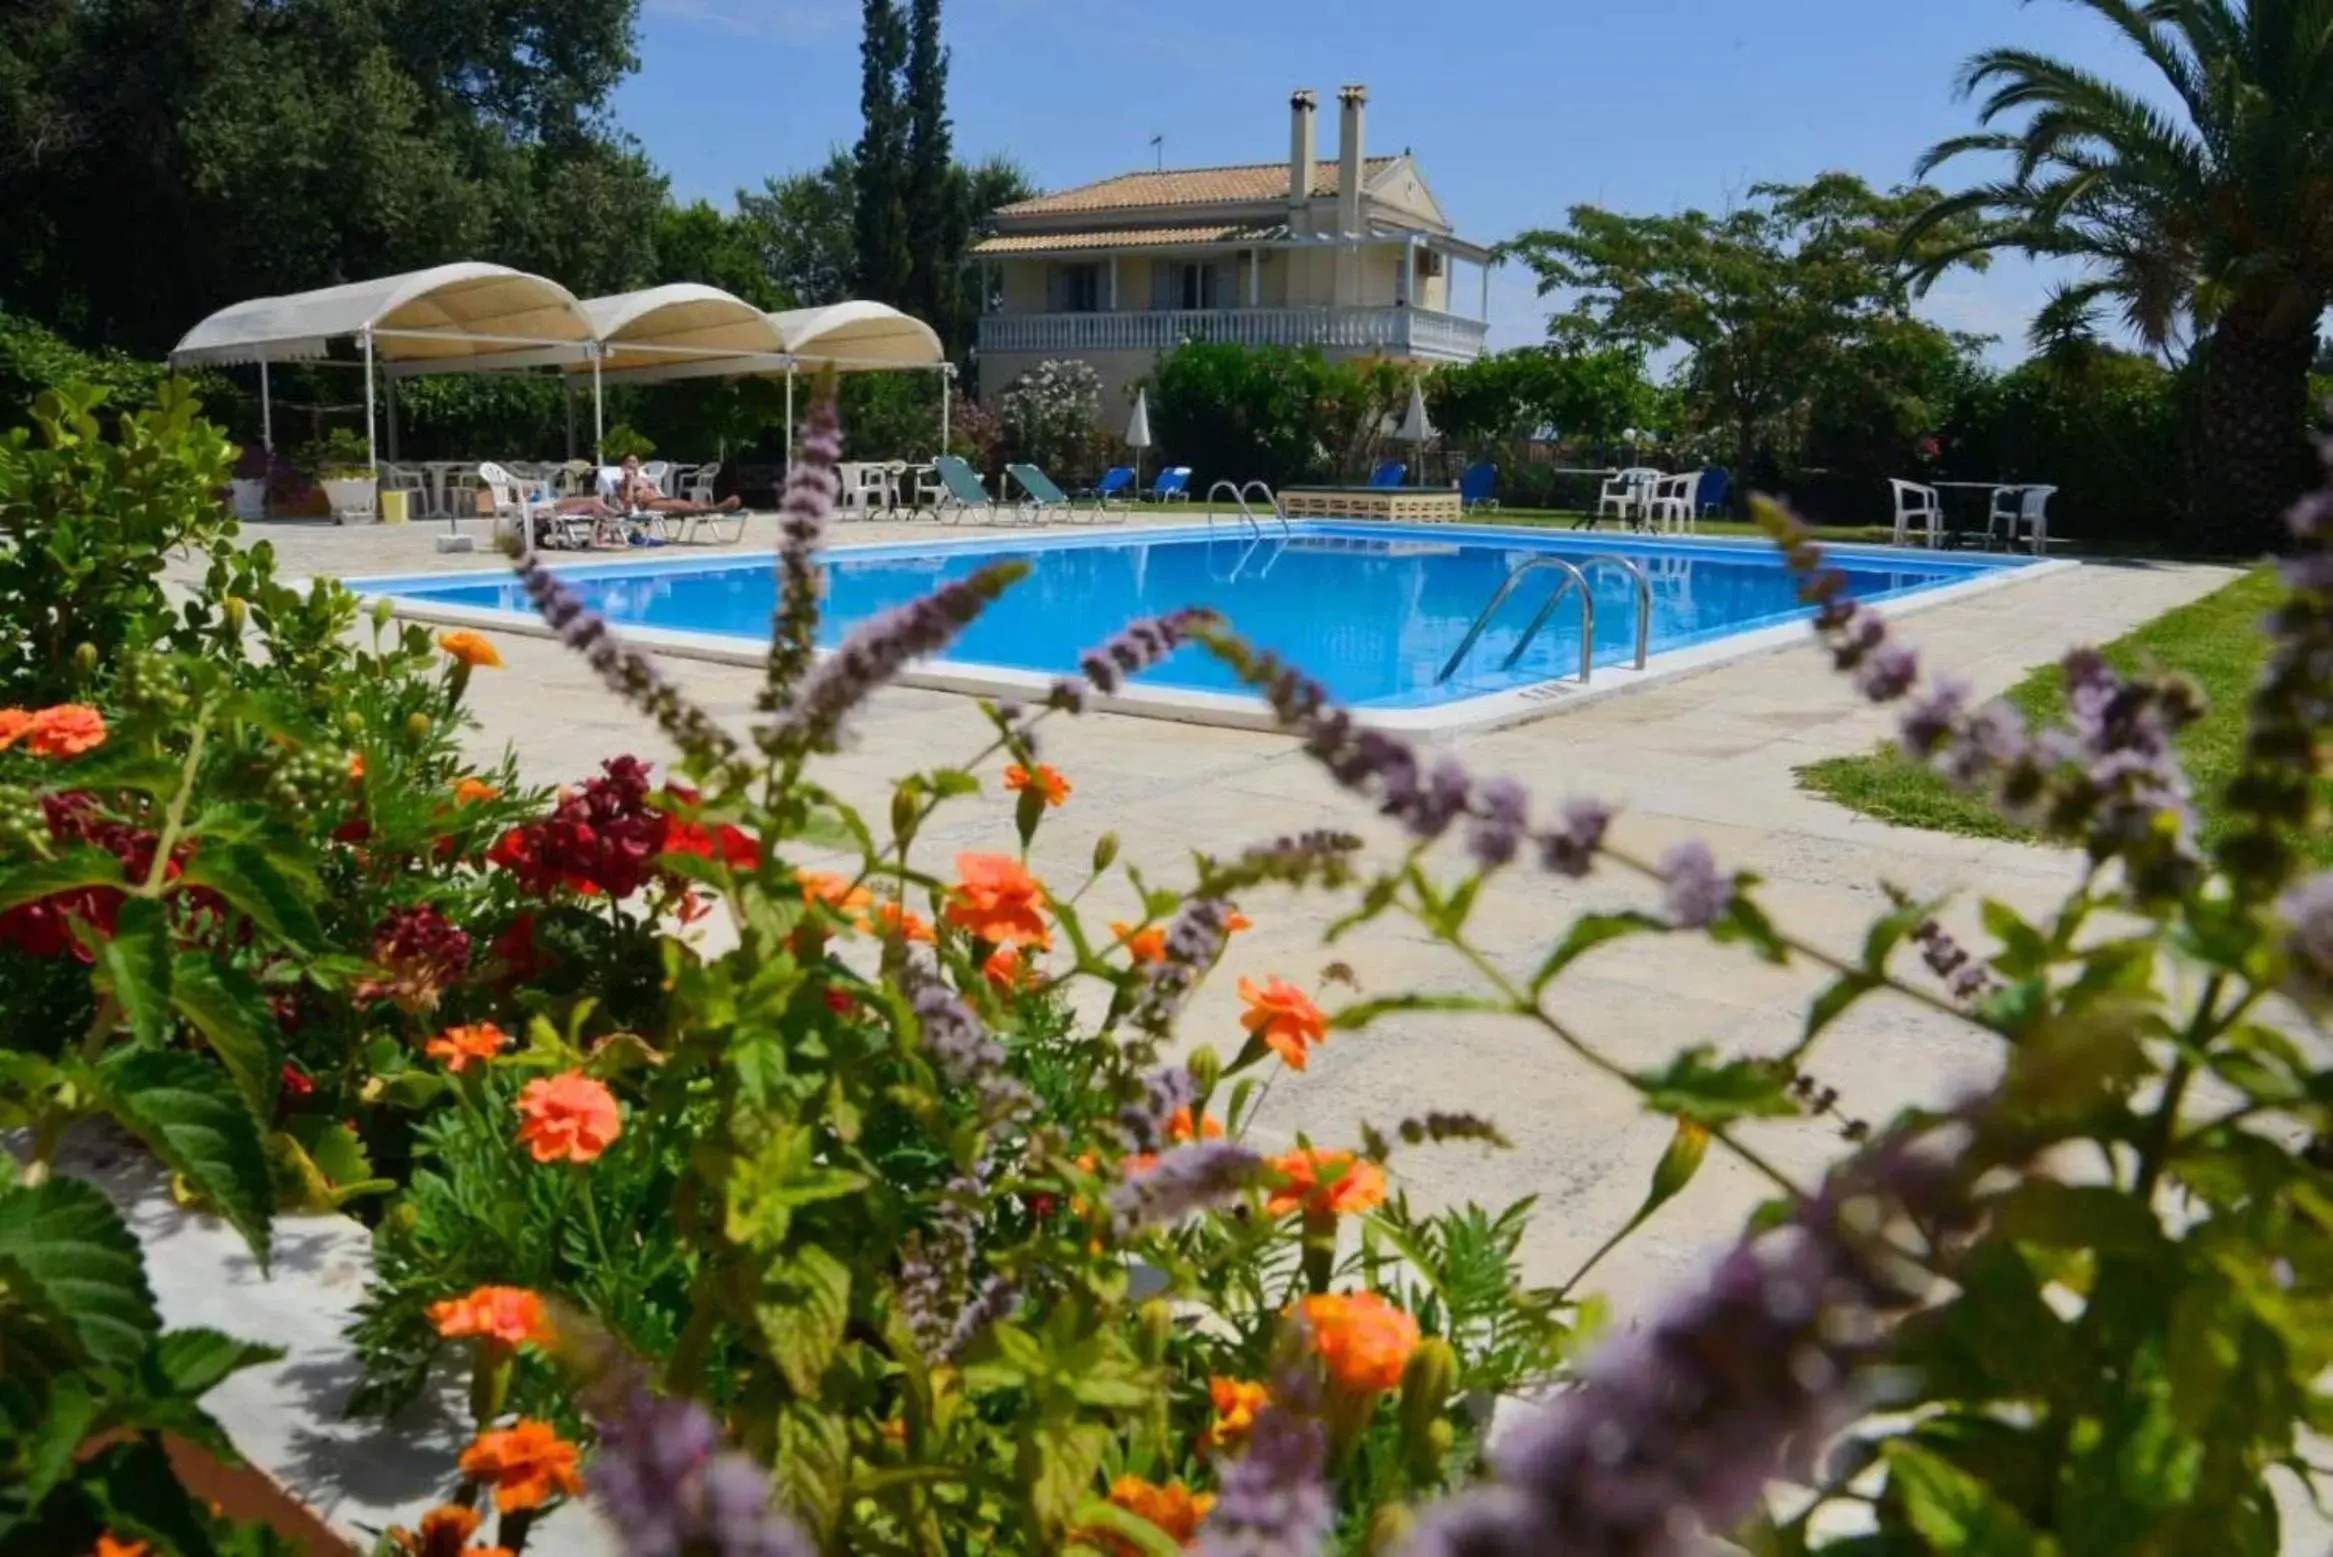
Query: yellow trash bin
point(396, 505)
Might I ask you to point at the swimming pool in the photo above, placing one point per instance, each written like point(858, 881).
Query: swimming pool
point(1374, 610)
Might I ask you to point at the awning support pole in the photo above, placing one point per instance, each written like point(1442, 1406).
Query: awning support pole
point(567, 396)
point(947, 376)
point(789, 419)
point(599, 430)
point(389, 411)
point(372, 455)
point(266, 410)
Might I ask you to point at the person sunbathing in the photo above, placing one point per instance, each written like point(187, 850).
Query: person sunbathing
point(635, 493)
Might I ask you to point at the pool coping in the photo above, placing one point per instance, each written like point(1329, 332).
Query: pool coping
point(1488, 711)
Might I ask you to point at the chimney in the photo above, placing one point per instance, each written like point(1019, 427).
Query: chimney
point(1355, 99)
point(1300, 156)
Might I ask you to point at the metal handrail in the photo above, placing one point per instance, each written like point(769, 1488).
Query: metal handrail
point(1286, 532)
point(1237, 502)
point(1575, 578)
point(1644, 609)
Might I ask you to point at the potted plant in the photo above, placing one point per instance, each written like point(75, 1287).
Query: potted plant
point(342, 466)
point(249, 482)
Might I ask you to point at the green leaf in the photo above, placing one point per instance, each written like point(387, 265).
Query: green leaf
point(1888, 931)
point(1056, 1464)
point(812, 1465)
point(76, 868)
point(139, 1496)
point(227, 1008)
point(61, 1422)
point(71, 1251)
point(1954, 1511)
point(190, 1363)
point(1711, 1093)
point(1362, 1012)
point(1131, 1529)
point(2024, 949)
point(190, 1115)
point(1677, 1166)
point(2080, 1216)
point(133, 966)
point(250, 882)
point(802, 1313)
point(1588, 932)
point(1834, 1002)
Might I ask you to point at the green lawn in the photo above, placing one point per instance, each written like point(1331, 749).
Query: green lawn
point(2216, 640)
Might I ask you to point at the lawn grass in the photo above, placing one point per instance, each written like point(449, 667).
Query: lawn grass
point(2216, 640)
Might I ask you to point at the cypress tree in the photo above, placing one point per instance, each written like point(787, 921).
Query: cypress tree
point(935, 229)
point(881, 219)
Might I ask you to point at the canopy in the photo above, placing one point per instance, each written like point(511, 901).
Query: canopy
point(684, 330)
point(457, 317)
point(858, 336)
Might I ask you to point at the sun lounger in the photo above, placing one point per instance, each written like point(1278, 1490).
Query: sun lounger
point(1045, 498)
point(961, 492)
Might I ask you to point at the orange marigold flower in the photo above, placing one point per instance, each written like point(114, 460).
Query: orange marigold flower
point(999, 901)
point(67, 730)
point(1006, 971)
point(837, 893)
point(469, 791)
point(527, 1464)
point(356, 766)
point(1326, 1184)
point(1237, 1402)
point(107, 1546)
point(1284, 1017)
point(1174, 1508)
point(458, 1046)
point(568, 1118)
point(1181, 1127)
point(444, 1529)
point(1147, 945)
point(1047, 781)
point(506, 1314)
point(472, 649)
point(897, 922)
point(1364, 1341)
point(1235, 921)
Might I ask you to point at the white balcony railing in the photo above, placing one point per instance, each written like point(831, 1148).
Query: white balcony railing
point(1400, 332)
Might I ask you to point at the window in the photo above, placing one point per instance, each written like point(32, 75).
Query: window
point(1198, 284)
point(1078, 289)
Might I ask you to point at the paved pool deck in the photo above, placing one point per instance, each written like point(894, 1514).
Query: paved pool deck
point(1710, 755)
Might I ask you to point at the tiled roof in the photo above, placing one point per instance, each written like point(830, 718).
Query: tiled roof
point(1114, 238)
point(1250, 181)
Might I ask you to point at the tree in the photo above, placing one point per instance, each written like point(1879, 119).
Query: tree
point(2202, 207)
point(884, 265)
point(1769, 301)
point(1511, 397)
point(805, 227)
point(935, 226)
point(274, 148)
point(719, 249)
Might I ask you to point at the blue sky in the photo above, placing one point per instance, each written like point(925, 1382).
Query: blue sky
point(1516, 109)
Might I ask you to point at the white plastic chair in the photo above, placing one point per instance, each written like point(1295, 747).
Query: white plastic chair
point(515, 508)
point(698, 488)
point(1675, 502)
point(1916, 504)
point(2031, 516)
point(657, 473)
point(1628, 494)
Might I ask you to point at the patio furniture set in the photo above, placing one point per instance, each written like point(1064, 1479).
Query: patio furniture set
point(2015, 514)
point(1644, 498)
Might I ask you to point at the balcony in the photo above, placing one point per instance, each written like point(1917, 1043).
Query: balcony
point(1386, 332)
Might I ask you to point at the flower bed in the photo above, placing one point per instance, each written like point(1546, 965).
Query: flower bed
point(830, 1241)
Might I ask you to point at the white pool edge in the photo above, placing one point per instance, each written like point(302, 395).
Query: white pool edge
point(1490, 711)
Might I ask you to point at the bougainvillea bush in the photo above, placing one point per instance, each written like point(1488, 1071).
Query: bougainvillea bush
point(783, 1185)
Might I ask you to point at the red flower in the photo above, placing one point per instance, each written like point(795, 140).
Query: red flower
point(602, 838)
point(43, 928)
point(296, 1082)
point(839, 1001)
point(568, 1118)
point(732, 846)
point(420, 954)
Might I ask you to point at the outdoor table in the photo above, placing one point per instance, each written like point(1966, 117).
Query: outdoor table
point(1590, 519)
point(437, 472)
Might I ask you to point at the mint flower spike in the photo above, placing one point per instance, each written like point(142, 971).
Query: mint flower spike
point(626, 671)
point(1677, 1429)
point(1135, 648)
point(812, 489)
point(874, 655)
point(1182, 1182)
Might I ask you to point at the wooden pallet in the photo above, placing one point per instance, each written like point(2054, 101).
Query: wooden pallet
point(1412, 505)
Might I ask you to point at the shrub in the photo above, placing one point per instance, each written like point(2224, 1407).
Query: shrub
point(621, 442)
point(1048, 413)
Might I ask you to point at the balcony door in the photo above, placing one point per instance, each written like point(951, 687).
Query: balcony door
point(1192, 285)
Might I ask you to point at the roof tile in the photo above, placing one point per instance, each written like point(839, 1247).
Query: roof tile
point(1115, 238)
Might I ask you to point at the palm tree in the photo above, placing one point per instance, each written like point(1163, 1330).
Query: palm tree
point(2205, 209)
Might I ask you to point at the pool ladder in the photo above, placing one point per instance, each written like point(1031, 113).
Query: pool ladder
point(1576, 578)
point(1239, 499)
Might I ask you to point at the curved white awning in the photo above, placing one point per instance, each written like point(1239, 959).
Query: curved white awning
point(859, 336)
point(452, 317)
point(682, 323)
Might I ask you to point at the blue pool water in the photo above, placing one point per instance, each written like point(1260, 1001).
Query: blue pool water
point(1373, 610)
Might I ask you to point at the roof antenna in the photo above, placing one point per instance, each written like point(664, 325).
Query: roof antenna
point(1158, 145)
